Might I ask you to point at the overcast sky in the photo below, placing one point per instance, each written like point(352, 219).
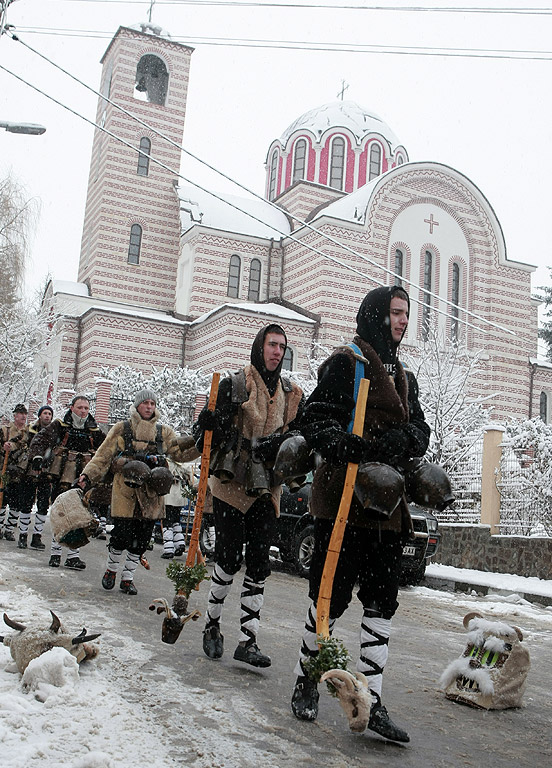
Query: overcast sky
point(487, 117)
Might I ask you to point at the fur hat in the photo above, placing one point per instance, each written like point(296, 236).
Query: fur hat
point(20, 408)
point(144, 394)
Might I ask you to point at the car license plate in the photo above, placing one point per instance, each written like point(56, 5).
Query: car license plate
point(409, 550)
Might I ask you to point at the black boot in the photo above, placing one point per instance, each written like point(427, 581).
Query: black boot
point(251, 654)
point(36, 542)
point(22, 542)
point(9, 535)
point(381, 723)
point(304, 702)
point(213, 642)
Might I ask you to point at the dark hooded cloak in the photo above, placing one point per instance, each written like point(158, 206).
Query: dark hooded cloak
point(270, 378)
point(374, 325)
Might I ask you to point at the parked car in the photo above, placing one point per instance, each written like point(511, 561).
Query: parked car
point(295, 536)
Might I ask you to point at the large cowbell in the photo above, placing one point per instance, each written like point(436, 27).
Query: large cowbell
point(428, 485)
point(293, 462)
point(379, 488)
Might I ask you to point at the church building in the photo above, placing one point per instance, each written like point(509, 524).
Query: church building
point(170, 275)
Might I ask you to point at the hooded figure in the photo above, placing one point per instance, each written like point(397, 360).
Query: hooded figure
point(255, 411)
point(394, 432)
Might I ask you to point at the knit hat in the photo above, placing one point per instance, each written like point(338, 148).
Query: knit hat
point(144, 394)
point(45, 408)
point(20, 408)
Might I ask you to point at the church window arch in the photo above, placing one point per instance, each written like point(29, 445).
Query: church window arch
point(143, 156)
point(299, 160)
point(337, 163)
point(543, 407)
point(428, 288)
point(399, 266)
point(287, 362)
point(254, 280)
point(135, 244)
point(375, 161)
point(273, 177)
point(455, 285)
point(234, 276)
point(152, 80)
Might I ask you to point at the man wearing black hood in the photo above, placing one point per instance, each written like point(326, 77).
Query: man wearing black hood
point(255, 408)
point(394, 431)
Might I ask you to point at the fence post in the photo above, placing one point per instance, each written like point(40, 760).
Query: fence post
point(490, 474)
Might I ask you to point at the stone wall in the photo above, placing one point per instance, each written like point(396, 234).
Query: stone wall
point(472, 546)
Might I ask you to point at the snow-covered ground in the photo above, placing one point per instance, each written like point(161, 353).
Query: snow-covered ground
point(59, 714)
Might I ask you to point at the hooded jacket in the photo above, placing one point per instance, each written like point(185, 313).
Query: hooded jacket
point(137, 502)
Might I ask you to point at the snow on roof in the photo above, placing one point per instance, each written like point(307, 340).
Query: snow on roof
point(273, 310)
point(150, 29)
point(540, 362)
point(70, 287)
point(145, 314)
point(345, 114)
point(198, 207)
point(351, 207)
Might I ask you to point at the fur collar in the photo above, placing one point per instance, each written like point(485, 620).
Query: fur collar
point(143, 431)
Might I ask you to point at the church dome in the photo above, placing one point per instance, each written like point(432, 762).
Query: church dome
point(340, 145)
point(344, 114)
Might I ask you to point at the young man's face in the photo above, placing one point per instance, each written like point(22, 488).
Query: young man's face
point(19, 419)
point(274, 348)
point(398, 317)
point(81, 407)
point(45, 418)
point(146, 409)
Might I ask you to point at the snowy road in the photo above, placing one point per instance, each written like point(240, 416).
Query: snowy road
point(144, 703)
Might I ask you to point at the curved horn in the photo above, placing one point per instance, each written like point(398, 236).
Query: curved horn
point(162, 605)
point(469, 616)
point(344, 677)
point(519, 633)
point(14, 624)
point(56, 623)
point(84, 638)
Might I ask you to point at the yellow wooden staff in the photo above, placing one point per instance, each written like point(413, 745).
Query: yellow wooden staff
point(334, 548)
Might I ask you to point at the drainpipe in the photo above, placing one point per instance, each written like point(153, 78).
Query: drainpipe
point(533, 368)
point(270, 249)
point(282, 268)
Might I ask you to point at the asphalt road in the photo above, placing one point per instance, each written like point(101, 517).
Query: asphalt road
point(223, 714)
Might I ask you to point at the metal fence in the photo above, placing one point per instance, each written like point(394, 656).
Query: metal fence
point(523, 505)
point(180, 416)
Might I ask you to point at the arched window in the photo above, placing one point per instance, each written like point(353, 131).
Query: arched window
point(543, 407)
point(375, 161)
point(428, 283)
point(152, 80)
point(135, 244)
point(288, 359)
point(399, 266)
point(455, 298)
point(254, 280)
point(273, 175)
point(143, 156)
point(337, 163)
point(400, 160)
point(234, 276)
point(299, 160)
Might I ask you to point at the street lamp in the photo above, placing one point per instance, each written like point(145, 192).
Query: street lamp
point(31, 128)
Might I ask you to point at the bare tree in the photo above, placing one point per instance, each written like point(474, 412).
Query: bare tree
point(18, 215)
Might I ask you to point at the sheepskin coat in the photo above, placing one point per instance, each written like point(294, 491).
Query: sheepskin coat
point(263, 414)
point(18, 439)
point(137, 502)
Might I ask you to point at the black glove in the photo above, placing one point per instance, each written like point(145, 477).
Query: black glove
point(36, 463)
point(351, 448)
point(208, 420)
point(266, 448)
point(394, 443)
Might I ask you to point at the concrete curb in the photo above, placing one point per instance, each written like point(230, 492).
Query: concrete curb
point(453, 585)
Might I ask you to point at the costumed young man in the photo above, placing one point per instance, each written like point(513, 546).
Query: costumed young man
point(19, 489)
point(254, 412)
point(42, 489)
point(394, 432)
point(139, 446)
point(61, 451)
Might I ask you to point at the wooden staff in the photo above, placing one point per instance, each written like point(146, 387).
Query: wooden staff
point(3, 475)
point(194, 552)
point(334, 547)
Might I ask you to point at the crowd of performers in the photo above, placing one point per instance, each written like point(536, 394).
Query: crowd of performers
point(132, 474)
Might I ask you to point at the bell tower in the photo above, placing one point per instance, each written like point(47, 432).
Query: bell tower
point(130, 240)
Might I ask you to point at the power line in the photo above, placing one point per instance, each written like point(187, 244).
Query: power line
point(301, 45)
